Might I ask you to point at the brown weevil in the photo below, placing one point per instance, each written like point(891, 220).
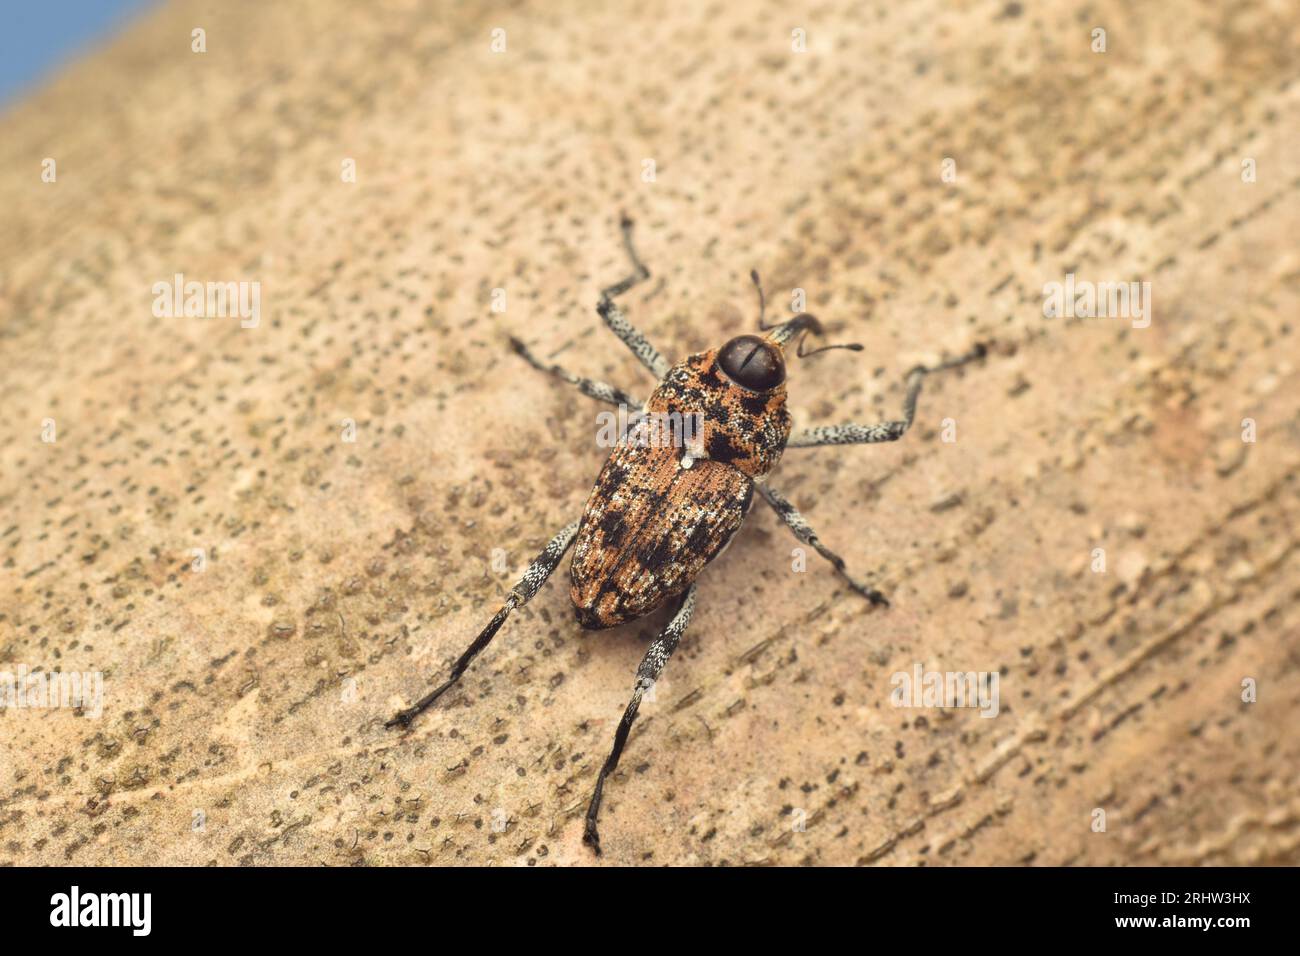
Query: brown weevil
point(662, 510)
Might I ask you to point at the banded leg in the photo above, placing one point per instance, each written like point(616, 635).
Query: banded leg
point(804, 532)
point(652, 666)
point(852, 434)
point(520, 594)
point(590, 387)
point(617, 321)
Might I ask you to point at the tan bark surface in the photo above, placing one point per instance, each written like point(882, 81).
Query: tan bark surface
point(342, 578)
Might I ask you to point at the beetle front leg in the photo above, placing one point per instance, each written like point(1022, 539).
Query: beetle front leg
point(528, 585)
point(804, 532)
point(617, 321)
point(853, 434)
point(652, 666)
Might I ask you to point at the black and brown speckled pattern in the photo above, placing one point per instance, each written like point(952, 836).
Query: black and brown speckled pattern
point(744, 429)
point(651, 525)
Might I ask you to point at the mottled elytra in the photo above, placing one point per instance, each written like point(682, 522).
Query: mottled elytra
point(660, 512)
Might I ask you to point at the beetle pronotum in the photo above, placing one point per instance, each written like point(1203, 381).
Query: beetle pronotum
point(660, 512)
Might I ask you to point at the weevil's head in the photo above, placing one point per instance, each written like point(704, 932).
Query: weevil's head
point(738, 393)
point(753, 362)
point(757, 362)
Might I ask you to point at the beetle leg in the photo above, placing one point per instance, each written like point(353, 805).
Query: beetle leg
point(590, 387)
point(804, 532)
point(617, 321)
point(852, 434)
point(528, 585)
point(652, 666)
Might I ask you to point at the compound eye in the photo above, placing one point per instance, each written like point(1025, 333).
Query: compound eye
point(752, 362)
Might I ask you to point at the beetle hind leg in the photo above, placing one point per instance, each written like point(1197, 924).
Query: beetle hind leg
point(804, 532)
point(647, 673)
point(528, 585)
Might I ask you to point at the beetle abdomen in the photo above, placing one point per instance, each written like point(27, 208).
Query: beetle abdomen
point(649, 529)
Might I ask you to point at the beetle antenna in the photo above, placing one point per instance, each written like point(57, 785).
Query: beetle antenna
point(851, 346)
point(796, 327)
point(800, 327)
point(762, 300)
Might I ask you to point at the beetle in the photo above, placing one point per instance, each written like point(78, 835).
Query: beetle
point(661, 511)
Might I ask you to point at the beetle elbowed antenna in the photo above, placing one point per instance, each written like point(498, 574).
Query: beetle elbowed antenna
point(800, 325)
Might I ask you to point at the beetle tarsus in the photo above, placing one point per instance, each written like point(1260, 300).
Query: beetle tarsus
point(875, 597)
point(591, 837)
point(978, 352)
point(405, 718)
point(401, 719)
